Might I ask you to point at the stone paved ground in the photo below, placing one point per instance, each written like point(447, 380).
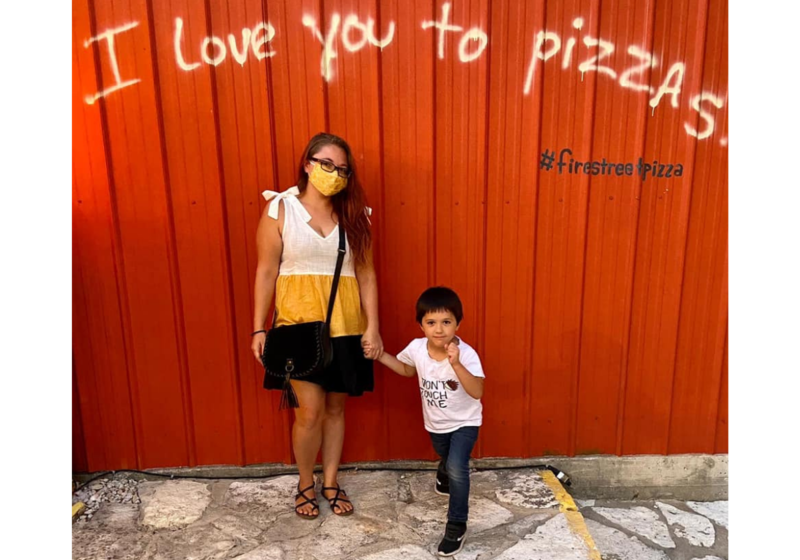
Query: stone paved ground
point(514, 515)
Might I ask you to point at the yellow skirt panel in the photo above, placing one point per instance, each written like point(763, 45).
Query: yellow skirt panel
point(304, 299)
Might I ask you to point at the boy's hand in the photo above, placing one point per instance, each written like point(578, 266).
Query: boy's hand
point(370, 352)
point(453, 353)
point(372, 345)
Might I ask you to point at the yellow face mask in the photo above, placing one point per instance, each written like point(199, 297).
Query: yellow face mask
point(327, 183)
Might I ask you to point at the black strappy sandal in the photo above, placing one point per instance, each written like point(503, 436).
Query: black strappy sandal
point(312, 501)
point(334, 502)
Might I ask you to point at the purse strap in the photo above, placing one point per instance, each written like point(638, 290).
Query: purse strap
point(336, 274)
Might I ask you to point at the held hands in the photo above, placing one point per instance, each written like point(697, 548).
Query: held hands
point(372, 345)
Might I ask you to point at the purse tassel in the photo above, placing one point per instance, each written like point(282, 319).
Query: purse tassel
point(288, 397)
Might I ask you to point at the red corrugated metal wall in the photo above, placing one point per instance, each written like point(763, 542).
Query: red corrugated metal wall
point(596, 295)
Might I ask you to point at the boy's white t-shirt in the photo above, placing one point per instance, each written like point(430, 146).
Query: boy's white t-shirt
point(446, 406)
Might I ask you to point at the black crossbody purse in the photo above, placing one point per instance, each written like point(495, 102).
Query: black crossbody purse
point(297, 351)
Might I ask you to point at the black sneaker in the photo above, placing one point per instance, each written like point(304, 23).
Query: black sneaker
point(454, 537)
point(442, 486)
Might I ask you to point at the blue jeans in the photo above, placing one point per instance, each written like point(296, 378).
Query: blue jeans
point(454, 448)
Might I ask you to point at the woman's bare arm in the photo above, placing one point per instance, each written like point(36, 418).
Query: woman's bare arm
point(269, 245)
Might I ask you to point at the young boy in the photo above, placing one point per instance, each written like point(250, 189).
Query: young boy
point(451, 385)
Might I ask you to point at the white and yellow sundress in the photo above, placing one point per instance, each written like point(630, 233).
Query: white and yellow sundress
point(303, 288)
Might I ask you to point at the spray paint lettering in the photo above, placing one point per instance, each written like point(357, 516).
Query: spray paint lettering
point(580, 54)
point(108, 36)
point(705, 115)
point(474, 34)
point(674, 90)
point(351, 23)
point(213, 50)
point(649, 61)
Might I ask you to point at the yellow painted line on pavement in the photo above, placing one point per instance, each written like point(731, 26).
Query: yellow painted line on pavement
point(77, 509)
point(567, 506)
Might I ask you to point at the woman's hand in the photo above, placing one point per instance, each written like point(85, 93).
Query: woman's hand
point(372, 344)
point(257, 345)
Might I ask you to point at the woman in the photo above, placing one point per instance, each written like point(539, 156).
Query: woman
point(297, 243)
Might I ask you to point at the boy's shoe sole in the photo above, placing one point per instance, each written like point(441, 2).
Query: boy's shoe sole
point(441, 493)
point(463, 540)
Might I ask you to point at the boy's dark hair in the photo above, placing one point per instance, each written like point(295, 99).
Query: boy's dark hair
point(439, 299)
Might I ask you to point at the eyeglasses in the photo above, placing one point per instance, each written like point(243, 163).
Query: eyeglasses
point(328, 166)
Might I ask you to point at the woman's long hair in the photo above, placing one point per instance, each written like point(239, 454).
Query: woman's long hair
point(350, 204)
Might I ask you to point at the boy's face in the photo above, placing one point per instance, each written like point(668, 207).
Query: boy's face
point(439, 327)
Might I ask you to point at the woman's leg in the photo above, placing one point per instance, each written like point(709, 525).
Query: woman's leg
point(332, 442)
point(307, 434)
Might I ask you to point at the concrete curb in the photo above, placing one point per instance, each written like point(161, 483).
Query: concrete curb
point(696, 477)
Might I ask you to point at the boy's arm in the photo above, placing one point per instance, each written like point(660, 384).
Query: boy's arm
point(472, 385)
point(397, 366)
